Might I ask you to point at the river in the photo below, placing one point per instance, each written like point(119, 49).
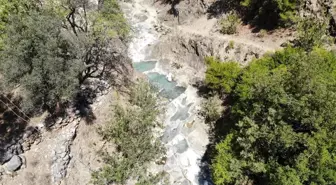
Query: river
point(185, 134)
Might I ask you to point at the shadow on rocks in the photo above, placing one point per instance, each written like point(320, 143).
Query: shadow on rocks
point(83, 102)
point(13, 123)
point(202, 89)
point(68, 112)
point(218, 130)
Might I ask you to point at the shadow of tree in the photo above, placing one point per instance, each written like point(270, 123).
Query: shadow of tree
point(81, 106)
point(83, 102)
point(13, 123)
point(173, 10)
point(220, 7)
point(261, 15)
point(202, 89)
point(332, 27)
point(217, 131)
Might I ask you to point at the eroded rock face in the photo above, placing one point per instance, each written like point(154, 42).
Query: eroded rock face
point(191, 49)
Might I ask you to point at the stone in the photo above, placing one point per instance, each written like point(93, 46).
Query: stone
point(19, 149)
point(5, 156)
point(59, 121)
point(38, 141)
point(141, 17)
point(61, 153)
point(13, 164)
point(181, 146)
point(26, 146)
point(24, 161)
point(2, 170)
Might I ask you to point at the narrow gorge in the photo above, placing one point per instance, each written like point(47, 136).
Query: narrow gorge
point(88, 134)
point(185, 133)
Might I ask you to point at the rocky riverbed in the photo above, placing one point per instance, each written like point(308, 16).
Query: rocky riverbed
point(185, 133)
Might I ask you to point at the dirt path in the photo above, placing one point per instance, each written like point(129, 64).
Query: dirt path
point(205, 27)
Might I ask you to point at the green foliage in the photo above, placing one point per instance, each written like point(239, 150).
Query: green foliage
point(38, 56)
point(270, 13)
point(230, 23)
point(262, 33)
point(284, 110)
point(231, 44)
point(51, 48)
point(131, 129)
point(154, 179)
point(212, 108)
point(223, 172)
point(13, 7)
point(311, 32)
point(221, 76)
point(110, 20)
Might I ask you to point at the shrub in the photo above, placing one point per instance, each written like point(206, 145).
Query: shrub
point(262, 33)
point(311, 32)
point(132, 130)
point(212, 108)
point(221, 76)
point(230, 23)
point(231, 45)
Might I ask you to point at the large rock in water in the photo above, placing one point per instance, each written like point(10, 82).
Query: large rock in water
point(13, 164)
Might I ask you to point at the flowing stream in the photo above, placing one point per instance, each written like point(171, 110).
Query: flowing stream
point(185, 134)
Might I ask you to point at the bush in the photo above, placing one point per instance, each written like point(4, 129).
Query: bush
point(132, 130)
point(231, 45)
point(262, 33)
point(282, 109)
point(212, 108)
point(221, 76)
point(311, 32)
point(230, 23)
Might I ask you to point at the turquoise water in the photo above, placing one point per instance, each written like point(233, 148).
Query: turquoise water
point(144, 66)
point(167, 89)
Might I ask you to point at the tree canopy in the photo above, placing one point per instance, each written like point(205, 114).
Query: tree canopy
point(50, 49)
point(132, 129)
point(271, 12)
point(283, 111)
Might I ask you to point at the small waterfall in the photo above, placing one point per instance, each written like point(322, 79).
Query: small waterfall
point(185, 134)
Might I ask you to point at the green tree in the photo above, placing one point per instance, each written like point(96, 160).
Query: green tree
point(311, 32)
point(132, 130)
point(230, 23)
point(13, 7)
point(221, 76)
point(38, 56)
point(97, 29)
point(50, 49)
point(284, 109)
point(271, 13)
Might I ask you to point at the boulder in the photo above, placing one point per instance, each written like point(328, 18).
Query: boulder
point(141, 17)
point(13, 164)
